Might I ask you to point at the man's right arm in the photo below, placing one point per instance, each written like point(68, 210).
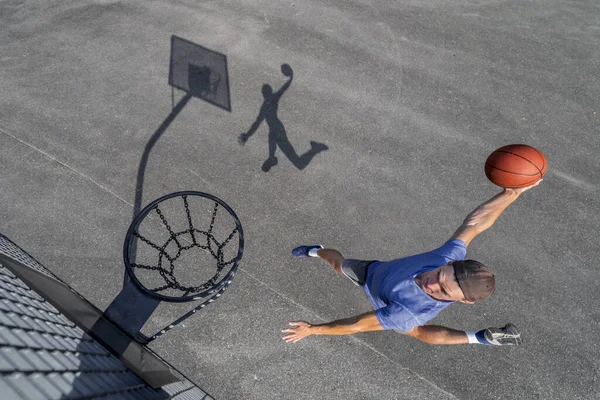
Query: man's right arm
point(484, 216)
point(243, 138)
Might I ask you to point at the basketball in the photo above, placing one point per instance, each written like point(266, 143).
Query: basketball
point(286, 70)
point(515, 166)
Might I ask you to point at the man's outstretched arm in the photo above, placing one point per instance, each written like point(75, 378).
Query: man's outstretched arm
point(360, 323)
point(435, 334)
point(432, 334)
point(290, 74)
point(243, 138)
point(484, 216)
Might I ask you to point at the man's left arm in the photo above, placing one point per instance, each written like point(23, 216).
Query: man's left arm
point(436, 334)
point(484, 216)
point(360, 323)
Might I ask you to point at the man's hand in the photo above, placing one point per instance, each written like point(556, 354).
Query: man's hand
point(360, 323)
point(301, 330)
point(521, 190)
point(243, 138)
point(508, 335)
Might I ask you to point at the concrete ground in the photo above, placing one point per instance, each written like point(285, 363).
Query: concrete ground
point(409, 96)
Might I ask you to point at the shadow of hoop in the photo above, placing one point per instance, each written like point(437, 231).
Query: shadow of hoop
point(200, 73)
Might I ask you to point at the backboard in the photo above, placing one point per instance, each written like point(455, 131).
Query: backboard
point(200, 72)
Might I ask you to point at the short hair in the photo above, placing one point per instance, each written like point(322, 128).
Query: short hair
point(475, 279)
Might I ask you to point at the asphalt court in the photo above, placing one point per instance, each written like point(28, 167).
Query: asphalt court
point(408, 96)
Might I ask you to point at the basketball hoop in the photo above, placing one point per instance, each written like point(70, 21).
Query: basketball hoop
point(167, 248)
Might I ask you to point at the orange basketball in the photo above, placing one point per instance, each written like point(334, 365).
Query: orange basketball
point(515, 166)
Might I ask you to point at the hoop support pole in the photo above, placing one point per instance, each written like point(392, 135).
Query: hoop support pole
point(188, 314)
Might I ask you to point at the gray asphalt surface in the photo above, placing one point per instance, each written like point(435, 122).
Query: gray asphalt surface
point(409, 96)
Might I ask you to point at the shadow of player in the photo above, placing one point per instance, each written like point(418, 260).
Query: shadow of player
point(277, 134)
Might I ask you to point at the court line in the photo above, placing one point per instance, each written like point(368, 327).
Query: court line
point(51, 157)
point(350, 337)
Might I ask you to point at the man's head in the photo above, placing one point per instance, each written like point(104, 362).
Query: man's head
point(465, 281)
point(475, 279)
point(267, 90)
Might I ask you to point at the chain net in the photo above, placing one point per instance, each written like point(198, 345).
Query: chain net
point(177, 243)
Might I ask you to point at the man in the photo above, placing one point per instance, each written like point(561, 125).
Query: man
point(408, 292)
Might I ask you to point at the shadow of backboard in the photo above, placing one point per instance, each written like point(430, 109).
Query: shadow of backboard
point(200, 72)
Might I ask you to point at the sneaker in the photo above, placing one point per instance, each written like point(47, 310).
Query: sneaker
point(267, 165)
point(316, 146)
point(302, 251)
point(509, 335)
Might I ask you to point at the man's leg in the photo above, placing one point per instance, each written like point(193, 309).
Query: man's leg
point(333, 257)
point(272, 160)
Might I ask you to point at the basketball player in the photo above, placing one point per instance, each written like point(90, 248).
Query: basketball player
point(408, 292)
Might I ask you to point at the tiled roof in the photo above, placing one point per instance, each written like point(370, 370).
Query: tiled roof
point(44, 355)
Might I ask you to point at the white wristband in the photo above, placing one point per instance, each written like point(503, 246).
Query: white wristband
point(472, 338)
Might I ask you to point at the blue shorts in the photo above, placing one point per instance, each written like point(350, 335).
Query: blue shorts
point(356, 270)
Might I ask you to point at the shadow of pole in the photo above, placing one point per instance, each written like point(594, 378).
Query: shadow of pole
point(139, 186)
point(200, 73)
point(130, 304)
